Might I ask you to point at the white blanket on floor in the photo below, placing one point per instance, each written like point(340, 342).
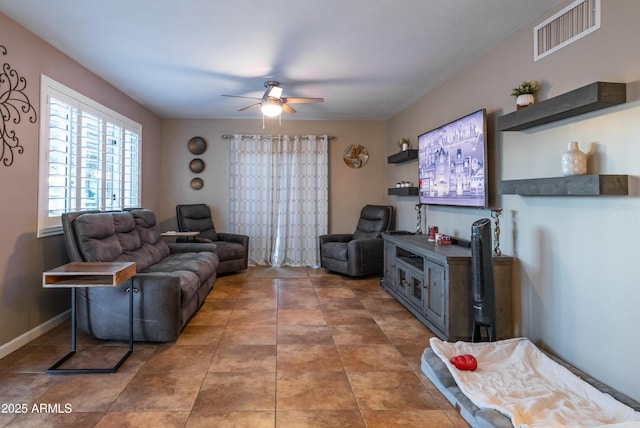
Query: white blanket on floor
point(520, 381)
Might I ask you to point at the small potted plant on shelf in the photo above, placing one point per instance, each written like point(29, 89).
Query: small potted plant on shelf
point(524, 93)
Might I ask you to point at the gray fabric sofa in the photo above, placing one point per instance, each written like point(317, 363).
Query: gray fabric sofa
point(171, 283)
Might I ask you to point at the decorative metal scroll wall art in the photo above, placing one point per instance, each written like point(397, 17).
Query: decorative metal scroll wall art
point(13, 104)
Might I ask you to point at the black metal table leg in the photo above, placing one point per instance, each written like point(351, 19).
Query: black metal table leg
point(54, 368)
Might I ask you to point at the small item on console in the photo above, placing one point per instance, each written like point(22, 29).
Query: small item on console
point(431, 233)
point(465, 362)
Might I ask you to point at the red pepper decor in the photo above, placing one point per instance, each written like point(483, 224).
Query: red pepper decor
point(465, 362)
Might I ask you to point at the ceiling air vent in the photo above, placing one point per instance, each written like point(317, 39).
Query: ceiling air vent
point(570, 24)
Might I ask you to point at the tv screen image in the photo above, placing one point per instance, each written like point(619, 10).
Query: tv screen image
point(452, 160)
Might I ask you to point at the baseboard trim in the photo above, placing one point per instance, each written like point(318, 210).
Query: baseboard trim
point(34, 333)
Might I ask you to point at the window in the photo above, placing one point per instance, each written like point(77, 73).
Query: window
point(89, 157)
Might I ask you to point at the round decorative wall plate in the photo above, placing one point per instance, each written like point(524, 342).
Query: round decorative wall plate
point(197, 183)
point(196, 165)
point(197, 145)
point(355, 156)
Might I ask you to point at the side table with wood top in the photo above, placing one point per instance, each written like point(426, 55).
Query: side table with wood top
point(88, 275)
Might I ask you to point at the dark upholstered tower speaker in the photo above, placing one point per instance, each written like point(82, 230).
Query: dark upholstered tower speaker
point(482, 287)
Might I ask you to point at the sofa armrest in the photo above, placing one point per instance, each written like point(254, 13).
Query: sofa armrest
point(191, 247)
point(364, 251)
point(233, 237)
point(194, 240)
point(160, 305)
point(159, 285)
point(336, 237)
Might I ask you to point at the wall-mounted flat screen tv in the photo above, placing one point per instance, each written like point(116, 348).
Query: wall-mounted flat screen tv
point(452, 163)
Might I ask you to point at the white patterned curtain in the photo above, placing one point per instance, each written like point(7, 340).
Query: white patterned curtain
point(279, 196)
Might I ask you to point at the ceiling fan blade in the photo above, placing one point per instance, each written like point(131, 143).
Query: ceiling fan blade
point(249, 106)
point(240, 96)
point(287, 108)
point(302, 100)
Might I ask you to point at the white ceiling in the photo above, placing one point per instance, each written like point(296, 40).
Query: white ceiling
point(369, 59)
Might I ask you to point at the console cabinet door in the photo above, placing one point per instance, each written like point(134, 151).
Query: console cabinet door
point(435, 304)
point(403, 276)
point(389, 272)
point(415, 287)
point(416, 290)
point(410, 282)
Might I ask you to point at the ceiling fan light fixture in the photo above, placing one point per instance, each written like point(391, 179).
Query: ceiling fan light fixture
point(271, 107)
point(275, 91)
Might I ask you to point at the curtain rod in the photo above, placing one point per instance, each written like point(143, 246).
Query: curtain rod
point(230, 137)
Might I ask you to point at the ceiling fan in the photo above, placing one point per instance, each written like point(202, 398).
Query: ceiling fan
point(273, 103)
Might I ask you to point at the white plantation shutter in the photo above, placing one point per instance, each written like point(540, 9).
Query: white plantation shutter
point(113, 167)
point(131, 168)
point(90, 162)
point(61, 173)
point(89, 157)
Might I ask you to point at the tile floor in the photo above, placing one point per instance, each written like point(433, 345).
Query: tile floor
point(269, 348)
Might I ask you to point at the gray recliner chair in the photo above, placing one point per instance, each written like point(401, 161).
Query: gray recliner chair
point(362, 252)
point(232, 249)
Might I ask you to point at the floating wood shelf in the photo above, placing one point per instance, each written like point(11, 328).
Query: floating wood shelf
point(589, 98)
point(576, 185)
point(403, 156)
point(403, 191)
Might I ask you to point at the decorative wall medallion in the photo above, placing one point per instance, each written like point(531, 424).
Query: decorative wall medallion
point(13, 102)
point(197, 145)
point(196, 165)
point(197, 183)
point(355, 156)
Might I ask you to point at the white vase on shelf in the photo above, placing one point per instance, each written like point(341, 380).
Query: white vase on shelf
point(574, 162)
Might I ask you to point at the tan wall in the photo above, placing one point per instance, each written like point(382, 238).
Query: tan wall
point(576, 289)
point(24, 305)
point(349, 189)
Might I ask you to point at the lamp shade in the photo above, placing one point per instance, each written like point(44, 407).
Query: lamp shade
point(271, 107)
